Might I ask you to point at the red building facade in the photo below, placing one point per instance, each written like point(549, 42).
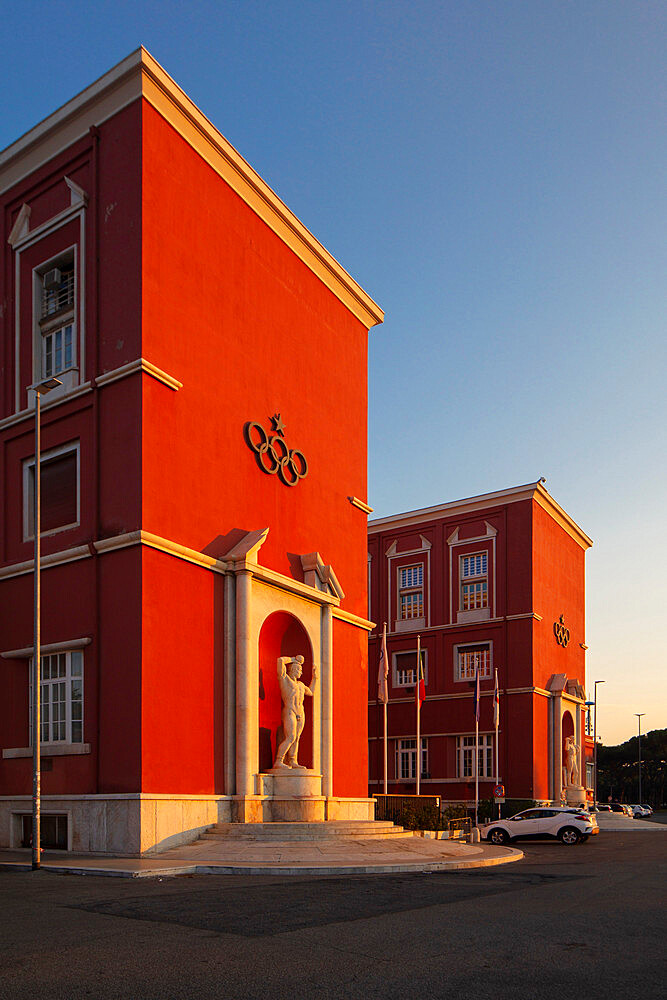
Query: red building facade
point(492, 583)
point(201, 464)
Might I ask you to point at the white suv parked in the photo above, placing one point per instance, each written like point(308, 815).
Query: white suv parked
point(570, 825)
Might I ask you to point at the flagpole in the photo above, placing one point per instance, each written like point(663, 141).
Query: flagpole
point(384, 647)
point(476, 764)
point(385, 748)
point(496, 719)
point(417, 676)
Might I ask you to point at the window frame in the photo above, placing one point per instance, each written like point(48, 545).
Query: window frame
point(48, 324)
point(474, 580)
point(69, 678)
point(29, 486)
point(408, 755)
point(396, 682)
point(410, 590)
point(461, 647)
point(465, 752)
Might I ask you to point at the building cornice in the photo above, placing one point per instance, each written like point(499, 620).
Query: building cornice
point(139, 75)
point(456, 508)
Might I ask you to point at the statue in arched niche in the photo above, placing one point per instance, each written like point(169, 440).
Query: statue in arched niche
point(293, 692)
point(571, 754)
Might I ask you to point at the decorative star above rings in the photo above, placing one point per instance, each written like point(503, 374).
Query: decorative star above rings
point(278, 425)
point(561, 632)
point(272, 454)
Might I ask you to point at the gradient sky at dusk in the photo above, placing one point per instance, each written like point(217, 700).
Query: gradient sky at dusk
point(493, 174)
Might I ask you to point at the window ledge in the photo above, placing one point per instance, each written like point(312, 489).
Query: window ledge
point(479, 615)
point(409, 624)
point(49, 750)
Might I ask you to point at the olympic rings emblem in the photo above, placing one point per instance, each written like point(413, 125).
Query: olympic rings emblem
point(273, 456)
point(561, 632)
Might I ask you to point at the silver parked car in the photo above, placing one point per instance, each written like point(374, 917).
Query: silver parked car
point(571, 826)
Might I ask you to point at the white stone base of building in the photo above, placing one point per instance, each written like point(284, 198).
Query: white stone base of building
point(144, 824)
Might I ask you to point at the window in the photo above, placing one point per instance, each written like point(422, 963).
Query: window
point(60, 491)
point(405, 665)
point(411, 592)
point(56, 317)
point(61, 690)
point(474, 589)
point(52, 831)
point(590, 775)
point(470, 659)
point(465, 756)
point(406, 754)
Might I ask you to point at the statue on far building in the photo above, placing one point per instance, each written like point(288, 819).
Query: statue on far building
point(571, 754)
point(293, 692)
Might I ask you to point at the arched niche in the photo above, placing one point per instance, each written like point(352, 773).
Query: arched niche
point(281, 634)
point(567, 729)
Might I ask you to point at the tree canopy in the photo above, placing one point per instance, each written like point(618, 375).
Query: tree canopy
point(618, 770)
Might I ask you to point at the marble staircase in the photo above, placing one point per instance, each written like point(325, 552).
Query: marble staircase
point(332, 830)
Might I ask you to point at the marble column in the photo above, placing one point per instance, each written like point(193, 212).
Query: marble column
point(247, 693)
point(558, 748)
point(327, 702)
point(230, 684)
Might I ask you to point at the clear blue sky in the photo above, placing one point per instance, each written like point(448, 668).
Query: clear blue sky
point(494, 175)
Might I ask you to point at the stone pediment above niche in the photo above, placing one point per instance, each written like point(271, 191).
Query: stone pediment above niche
point(320, 576)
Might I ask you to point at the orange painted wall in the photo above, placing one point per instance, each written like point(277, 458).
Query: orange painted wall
point(558, 587)
point(350, 734)
point(182, 681)
point(233, 314)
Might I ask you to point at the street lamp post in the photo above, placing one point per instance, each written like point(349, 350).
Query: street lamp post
point(595, 743)
point(639, 752)
point(39, 387)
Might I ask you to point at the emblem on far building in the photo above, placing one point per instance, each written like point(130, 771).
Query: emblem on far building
point(272, 454)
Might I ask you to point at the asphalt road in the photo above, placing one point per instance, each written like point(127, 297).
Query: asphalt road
point(585, 921)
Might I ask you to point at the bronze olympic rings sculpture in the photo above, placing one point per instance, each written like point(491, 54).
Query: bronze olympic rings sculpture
point(561, 632)
point(273, 456)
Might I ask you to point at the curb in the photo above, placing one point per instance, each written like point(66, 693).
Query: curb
point(513, 854)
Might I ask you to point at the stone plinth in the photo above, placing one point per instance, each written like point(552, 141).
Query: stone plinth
point(293, 795)
point(282, 783)
point(575, 795)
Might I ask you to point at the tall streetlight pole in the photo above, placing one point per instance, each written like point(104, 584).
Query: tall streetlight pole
point(639, 752)
point(595, 743)
point(38, 388)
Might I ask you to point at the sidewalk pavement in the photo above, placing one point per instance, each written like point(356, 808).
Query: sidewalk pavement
point(338, 856)
point(233, 857)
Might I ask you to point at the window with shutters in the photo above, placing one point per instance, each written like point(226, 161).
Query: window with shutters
point(60, 504)
point(474, 581)
point(473, 659)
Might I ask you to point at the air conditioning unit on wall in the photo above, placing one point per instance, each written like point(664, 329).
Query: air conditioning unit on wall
point(53, 279)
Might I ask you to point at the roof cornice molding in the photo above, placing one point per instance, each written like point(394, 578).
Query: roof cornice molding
point(140, 75)
point(456, 508)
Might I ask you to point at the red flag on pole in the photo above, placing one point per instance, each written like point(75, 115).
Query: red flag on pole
point(420, 686)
